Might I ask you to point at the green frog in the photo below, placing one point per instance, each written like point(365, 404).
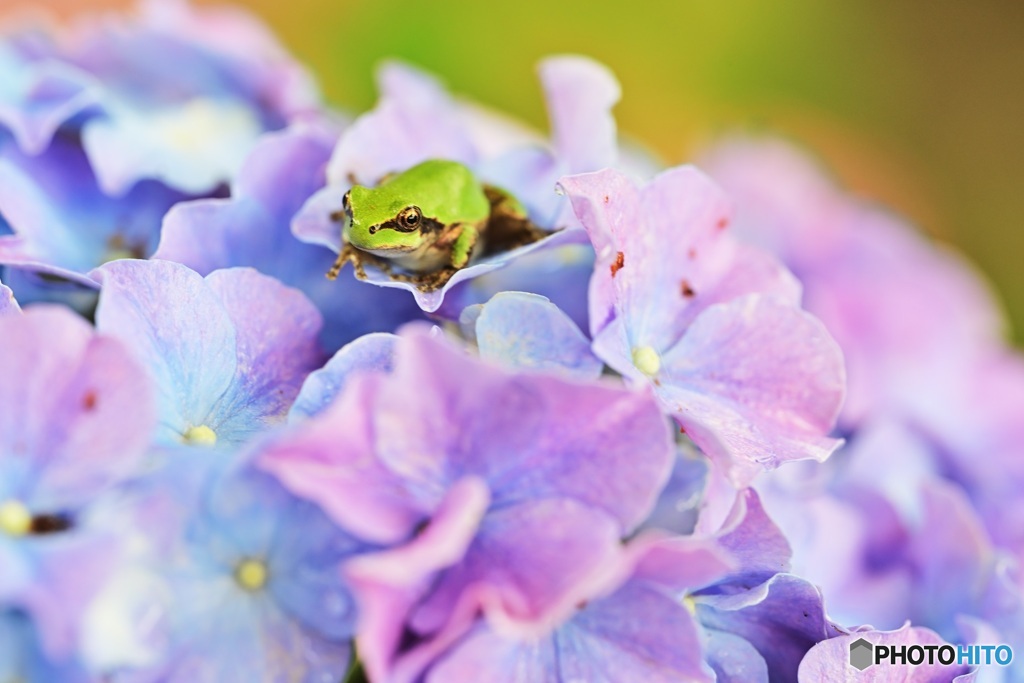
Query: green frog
point(425, 223)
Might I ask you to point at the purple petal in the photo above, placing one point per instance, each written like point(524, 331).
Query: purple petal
point(69, 569)
point(8, 304)
point(276, 331)
point(758, 546)
point(56, 369)
point(370, 352)
point(580, 94)
point(177, 327)
point(783, 618)
point(252, 227)
point(678, 504)
point(389, 583)
point(671, 238)
point(415, 120)
point(830, 659)
point(561, 275)
point(597, 443)
point(313, 222)
point(37, 97)
point(755, 382)
point(528, 332)
point(639, 634)
point(528, 567)
point(330, 460)
point(63, 223)
point(733, 659)
point(192, 147)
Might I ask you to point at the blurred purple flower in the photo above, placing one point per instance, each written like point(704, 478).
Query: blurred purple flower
point(185, 93)
point(227, 353)
point(888, 540)
point(523, 505)
point(57, 371)
point(417, 120)
point(906, 312)
point(714, 325)
point(38, 93)
point(63, 224)
point(22, 659)
point(253, 228)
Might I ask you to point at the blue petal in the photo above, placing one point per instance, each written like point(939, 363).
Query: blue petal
point(528, 332)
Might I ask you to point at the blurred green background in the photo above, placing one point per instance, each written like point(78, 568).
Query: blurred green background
point(916, 103)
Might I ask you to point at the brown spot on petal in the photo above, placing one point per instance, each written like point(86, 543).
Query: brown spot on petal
point(606, 199)
point(692, 254)
point(687, 290)
point(50, 524)
point(620, 262)
point(723, 223)
point(682, 429)
point(89, 400)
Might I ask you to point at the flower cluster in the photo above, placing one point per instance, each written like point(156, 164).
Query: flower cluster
point(704, 426)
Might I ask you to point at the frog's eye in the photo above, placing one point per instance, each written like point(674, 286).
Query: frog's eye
point(345, 203)
point(410, 218)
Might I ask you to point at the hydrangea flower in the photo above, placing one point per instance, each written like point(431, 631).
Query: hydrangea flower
point(38, 94)
point(417, 120)
point(713, 325)
point(890, 544)
point(227, 353)
point(63, 224)
point(249, 576)
point(253, 228)
point(185, 94)
point(907, 313)
point(57, 371)
point(522, 506)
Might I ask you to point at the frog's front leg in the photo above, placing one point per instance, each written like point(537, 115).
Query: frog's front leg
point(462, 237)
point(346, 254)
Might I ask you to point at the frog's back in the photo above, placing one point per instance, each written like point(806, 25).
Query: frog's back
point(444, 190)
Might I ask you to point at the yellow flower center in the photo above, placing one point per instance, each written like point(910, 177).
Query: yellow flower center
point(200, 436)
point(251, 574)
point(15, 519)
point(646, 360)
point(690, 604)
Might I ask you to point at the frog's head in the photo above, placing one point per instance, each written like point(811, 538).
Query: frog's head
point(383, 224)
